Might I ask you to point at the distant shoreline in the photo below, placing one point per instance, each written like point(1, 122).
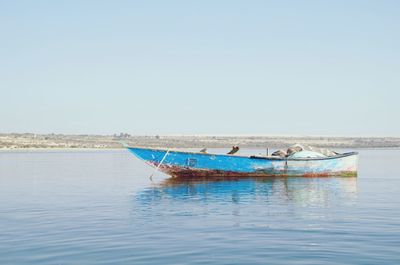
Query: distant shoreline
point(88, 150)
point(30, 141)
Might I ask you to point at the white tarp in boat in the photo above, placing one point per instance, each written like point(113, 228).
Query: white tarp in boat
point(298, 148)
point(306, 154)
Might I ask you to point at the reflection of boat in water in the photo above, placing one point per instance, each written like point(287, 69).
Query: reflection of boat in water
point(298, 190)
point(200, 164)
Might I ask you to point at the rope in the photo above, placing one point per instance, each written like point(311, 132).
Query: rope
point(158, 166)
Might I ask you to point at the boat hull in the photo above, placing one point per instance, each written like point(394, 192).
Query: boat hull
point(189, 164)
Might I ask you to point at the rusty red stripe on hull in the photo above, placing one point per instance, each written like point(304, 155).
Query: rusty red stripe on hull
point(185, 172)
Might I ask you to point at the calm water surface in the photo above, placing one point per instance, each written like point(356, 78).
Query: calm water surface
point(100, 207)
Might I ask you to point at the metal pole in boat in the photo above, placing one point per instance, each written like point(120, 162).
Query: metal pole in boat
point(158, 166)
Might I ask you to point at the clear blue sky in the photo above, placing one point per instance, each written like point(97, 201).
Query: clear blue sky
point(200, 67)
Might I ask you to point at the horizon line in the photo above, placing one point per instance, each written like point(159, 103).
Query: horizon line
point(212, 135)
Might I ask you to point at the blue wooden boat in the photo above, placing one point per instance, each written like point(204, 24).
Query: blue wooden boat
point(196, 164)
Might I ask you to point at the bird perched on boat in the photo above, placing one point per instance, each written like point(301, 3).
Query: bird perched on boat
point(234, 150)
point(204, 150)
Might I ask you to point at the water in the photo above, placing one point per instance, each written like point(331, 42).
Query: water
point(99, 207)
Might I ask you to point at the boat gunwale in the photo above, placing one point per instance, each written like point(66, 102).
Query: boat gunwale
point(252, 157)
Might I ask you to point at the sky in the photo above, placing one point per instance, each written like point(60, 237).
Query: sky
point(200, 67)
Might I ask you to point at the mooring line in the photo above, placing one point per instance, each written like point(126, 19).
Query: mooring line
point(162, 160)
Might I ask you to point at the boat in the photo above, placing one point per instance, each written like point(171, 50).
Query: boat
point(177, 163)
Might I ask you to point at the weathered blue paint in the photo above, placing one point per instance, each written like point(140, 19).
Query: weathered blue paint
point(190, 164)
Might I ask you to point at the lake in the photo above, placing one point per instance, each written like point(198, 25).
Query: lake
point(99, 207)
